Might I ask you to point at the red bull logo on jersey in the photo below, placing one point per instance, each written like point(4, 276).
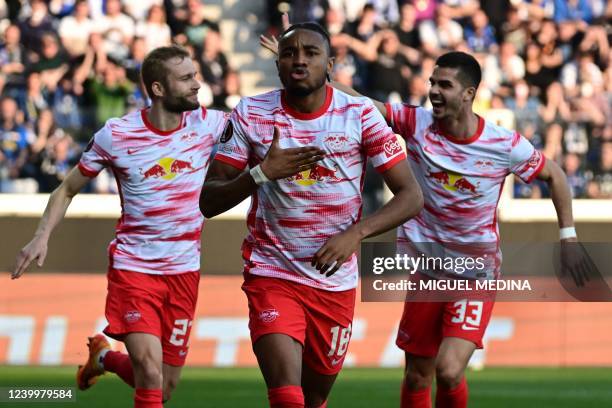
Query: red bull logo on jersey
point(167, 168)
point(268, 316)
point(191, 136)
point(316, 174)
point(453, 181)
point(483, 163)
point(336, 141)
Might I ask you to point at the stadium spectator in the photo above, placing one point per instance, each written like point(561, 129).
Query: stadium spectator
point(443, 34)
point(38, 23)
point(15, 141)
point(213, 63)
point(117, 30)
point(600, 185)
point(197, 26)
point(74, 30)
point(572, 165)
point(35, 99)
point(154, 30)
point(480, 36)
point(13, 62)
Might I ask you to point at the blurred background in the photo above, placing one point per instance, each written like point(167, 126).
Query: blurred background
point(66, 66)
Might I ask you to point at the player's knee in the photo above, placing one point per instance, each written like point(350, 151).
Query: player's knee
point(148, 369)
point(449, 375)
point(415, 380)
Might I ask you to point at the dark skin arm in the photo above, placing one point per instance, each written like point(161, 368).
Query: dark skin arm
point(407, 202)
point(226, 186)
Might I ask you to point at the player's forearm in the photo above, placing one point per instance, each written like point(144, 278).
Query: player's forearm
point(561, 197)
point(59, 200)
point(219, 196)
point(404, 205)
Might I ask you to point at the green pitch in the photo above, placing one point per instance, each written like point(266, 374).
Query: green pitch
point(236, 388)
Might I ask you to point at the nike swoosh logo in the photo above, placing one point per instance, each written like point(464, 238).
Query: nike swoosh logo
point(335, 362)
point(466, 327)
point(131, 151)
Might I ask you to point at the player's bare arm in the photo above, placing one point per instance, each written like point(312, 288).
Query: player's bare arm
point(226, 186)
point(59, 200)
point(407, 202)
point(560, 193)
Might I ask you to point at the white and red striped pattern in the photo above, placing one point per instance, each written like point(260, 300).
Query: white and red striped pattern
point(290, 219)
point(159, 175)
point(461, 179)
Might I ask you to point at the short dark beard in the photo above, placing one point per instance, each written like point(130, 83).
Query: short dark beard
point(302, 92)
point(179, 105)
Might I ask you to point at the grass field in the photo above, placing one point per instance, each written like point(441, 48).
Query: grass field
point(243, 387)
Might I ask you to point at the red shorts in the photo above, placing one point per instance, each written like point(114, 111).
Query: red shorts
point(425, 324)
point(319, 319)
point(161, 305)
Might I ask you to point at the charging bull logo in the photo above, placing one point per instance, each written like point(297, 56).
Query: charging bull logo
point(336, 141)
point(453, 181)
point(166, 168)
point(314, 175)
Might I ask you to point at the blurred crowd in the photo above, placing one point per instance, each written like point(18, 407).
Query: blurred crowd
point(66, 66)
point(547, 67)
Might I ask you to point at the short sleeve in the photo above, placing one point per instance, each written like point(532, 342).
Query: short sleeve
point(379, 141)
point(234, 147)
point(402, 119)
point(98, 153)
point(219, 121)
point(525, 161)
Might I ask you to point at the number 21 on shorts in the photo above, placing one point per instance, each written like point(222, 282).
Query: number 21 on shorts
point(340, 340)
point(179, 331)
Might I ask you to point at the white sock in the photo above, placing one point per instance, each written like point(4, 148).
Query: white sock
point(101, 357)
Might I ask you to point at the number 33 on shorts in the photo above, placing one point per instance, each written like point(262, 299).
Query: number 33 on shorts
point(468, 313)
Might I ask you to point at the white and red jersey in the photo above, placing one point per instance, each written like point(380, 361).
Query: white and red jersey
point(461, 179)
point(160, 176)
point(291, 219)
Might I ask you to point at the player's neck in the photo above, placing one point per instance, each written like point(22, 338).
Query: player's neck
point(463, 126)
point(163, 119)
point(309, 103)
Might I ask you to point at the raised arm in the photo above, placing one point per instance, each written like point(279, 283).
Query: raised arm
point(59, 200)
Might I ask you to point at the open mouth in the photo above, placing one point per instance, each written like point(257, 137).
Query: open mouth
point(299, 74)
point(437, 105)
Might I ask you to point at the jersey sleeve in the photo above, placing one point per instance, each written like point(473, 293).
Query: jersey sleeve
point(402, 118)
point(525, 161)
point(219, 123)
point(379, 141)
point(98, 153)
point(234, 147)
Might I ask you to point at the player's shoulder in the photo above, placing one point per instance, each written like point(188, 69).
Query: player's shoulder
point(128, 121)
point(341, 98)
point(263, 101)
point(497, 133)
point(204, 115)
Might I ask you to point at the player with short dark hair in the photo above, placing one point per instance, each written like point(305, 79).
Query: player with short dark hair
point(304, 223)
point(159, 156)
point(460, 161)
